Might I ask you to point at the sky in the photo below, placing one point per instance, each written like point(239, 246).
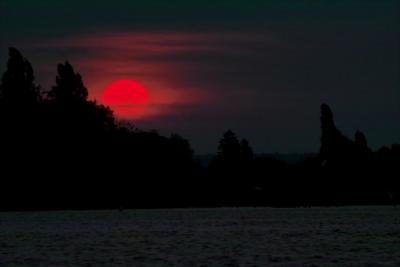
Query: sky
point(260, 68)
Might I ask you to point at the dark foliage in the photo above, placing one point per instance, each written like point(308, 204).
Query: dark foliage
point(60, 150)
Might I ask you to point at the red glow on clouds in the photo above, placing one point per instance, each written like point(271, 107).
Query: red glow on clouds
point(167, 65)
point(128, 99)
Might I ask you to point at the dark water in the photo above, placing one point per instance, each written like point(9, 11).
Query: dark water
point(353, 236)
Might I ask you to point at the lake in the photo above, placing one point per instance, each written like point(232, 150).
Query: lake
point(345, 236)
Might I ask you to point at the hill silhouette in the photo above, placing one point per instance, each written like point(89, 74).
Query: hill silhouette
point(60, 150)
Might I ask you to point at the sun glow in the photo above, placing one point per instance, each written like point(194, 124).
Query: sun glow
point(127, 98)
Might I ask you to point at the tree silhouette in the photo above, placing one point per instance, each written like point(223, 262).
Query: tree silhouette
point(229, 148)
point(329, 132)
point(99, 164)
point(20, 99)
point(180, 147)
point(335, 147)
point(74, 112)
point(18, 92)
point(20, 134)
point(235, 153)
point(69, 85)
point(246, 151)
point(230, 170)
point(361, 142)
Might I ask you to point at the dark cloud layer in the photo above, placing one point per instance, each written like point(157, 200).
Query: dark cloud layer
point(261, 68)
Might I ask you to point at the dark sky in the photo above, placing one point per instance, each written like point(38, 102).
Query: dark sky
point(260, 68)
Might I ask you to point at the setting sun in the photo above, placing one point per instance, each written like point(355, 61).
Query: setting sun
point(127, 98)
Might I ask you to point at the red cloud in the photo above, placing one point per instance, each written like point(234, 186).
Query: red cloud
point(161, 61)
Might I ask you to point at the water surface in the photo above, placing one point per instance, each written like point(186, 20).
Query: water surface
point(350, 236)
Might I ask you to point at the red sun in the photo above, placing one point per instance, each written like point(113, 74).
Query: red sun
point(127, 98)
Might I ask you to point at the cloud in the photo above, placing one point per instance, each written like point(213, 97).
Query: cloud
point(266, 84)
point(176, 67)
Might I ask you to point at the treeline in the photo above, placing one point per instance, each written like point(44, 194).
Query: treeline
point(60, 150)
point(345, 172)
